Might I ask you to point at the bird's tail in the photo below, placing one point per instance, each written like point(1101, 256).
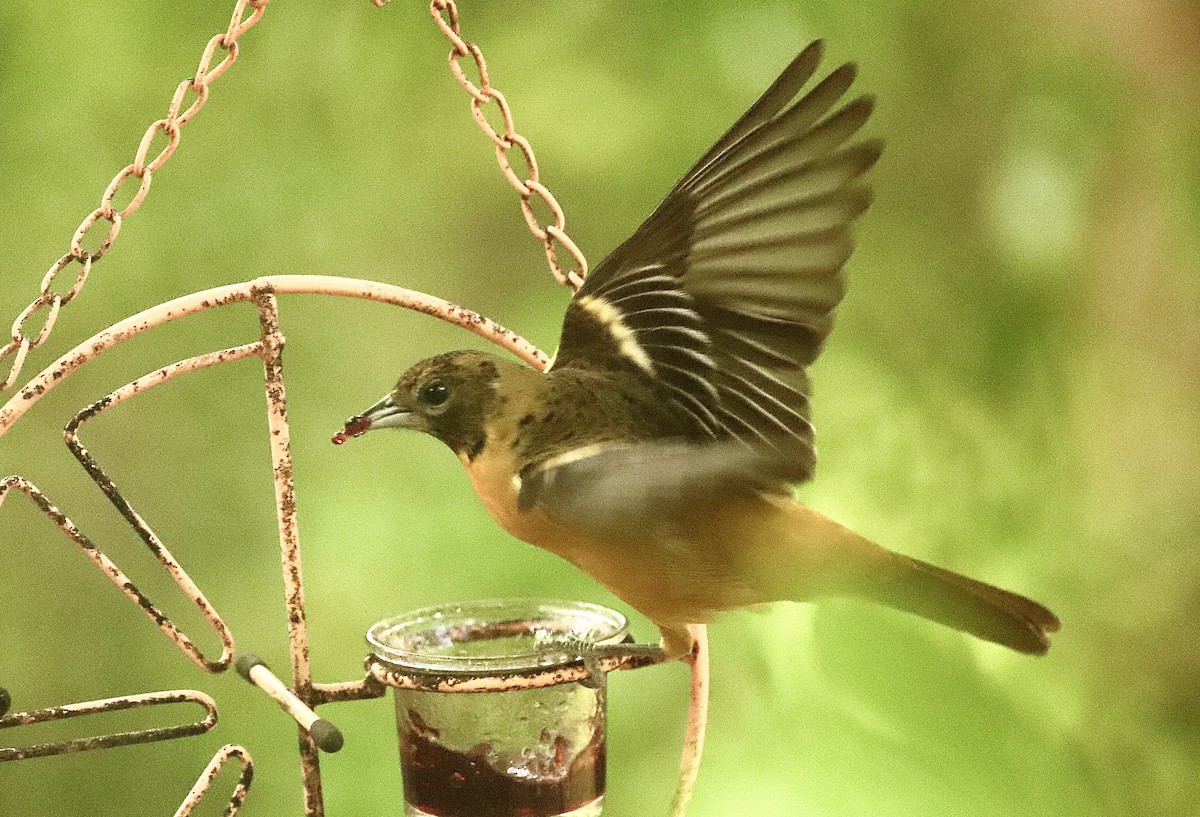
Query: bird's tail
point(800, 554)
point(965, 604)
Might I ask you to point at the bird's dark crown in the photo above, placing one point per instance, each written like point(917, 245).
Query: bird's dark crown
point(451, 396)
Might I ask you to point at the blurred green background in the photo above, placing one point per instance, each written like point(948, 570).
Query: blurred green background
point(1013, 389)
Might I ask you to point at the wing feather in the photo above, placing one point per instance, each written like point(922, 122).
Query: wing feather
point(611, 490)
point(726, 293)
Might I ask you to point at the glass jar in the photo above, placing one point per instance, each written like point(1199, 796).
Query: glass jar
point(472, 745)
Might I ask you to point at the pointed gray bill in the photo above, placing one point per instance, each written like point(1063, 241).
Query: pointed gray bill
point(384, 414)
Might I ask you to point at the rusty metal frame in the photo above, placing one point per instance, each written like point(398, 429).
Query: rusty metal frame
point(144, 700)
point(210, 773)
point(305, 694)
point(55, 713)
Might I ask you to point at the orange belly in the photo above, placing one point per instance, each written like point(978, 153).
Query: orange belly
point(743, 551)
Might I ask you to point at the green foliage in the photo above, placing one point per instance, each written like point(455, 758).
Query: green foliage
point(1011, 392)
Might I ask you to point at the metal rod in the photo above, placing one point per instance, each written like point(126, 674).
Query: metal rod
point(122, 581)
point(54, 374)
point(693, 743)
point(289, 532)
point(57, 713)
point(360, 690)
point(262, 291)
point(323, 733)
point(143, 530)
point(200, 788)
point(530, 679)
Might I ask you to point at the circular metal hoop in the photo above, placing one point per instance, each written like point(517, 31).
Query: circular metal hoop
point(58, 371)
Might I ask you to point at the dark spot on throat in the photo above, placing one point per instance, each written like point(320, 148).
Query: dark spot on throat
point(476, 448)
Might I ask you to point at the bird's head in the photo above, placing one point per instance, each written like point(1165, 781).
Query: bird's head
point(448, 397)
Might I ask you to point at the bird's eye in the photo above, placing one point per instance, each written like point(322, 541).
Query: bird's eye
point(434, 393)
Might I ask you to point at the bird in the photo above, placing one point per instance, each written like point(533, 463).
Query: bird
point(659, 448)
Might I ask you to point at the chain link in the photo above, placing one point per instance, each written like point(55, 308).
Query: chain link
point(246, 13)
point(483, 94)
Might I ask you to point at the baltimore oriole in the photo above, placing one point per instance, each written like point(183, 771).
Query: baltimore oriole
point(658, 449)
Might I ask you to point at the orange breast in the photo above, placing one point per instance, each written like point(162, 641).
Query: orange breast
point(492, 476)
point(666, 580)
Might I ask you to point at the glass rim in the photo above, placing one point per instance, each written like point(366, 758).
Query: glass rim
point(455, 622)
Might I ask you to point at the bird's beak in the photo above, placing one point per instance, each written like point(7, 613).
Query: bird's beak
point(384, 414)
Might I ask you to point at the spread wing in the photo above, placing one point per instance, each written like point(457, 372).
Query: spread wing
point(726, 293)
point(611, 490)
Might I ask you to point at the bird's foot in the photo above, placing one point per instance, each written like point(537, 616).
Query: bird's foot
point(600, 659)
point(628, 655)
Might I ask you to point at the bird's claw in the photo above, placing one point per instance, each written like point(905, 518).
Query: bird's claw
point(595, 678)
point(599, 659)
point(587, 649)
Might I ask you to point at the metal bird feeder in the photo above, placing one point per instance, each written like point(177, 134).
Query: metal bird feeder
point(515, 657)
